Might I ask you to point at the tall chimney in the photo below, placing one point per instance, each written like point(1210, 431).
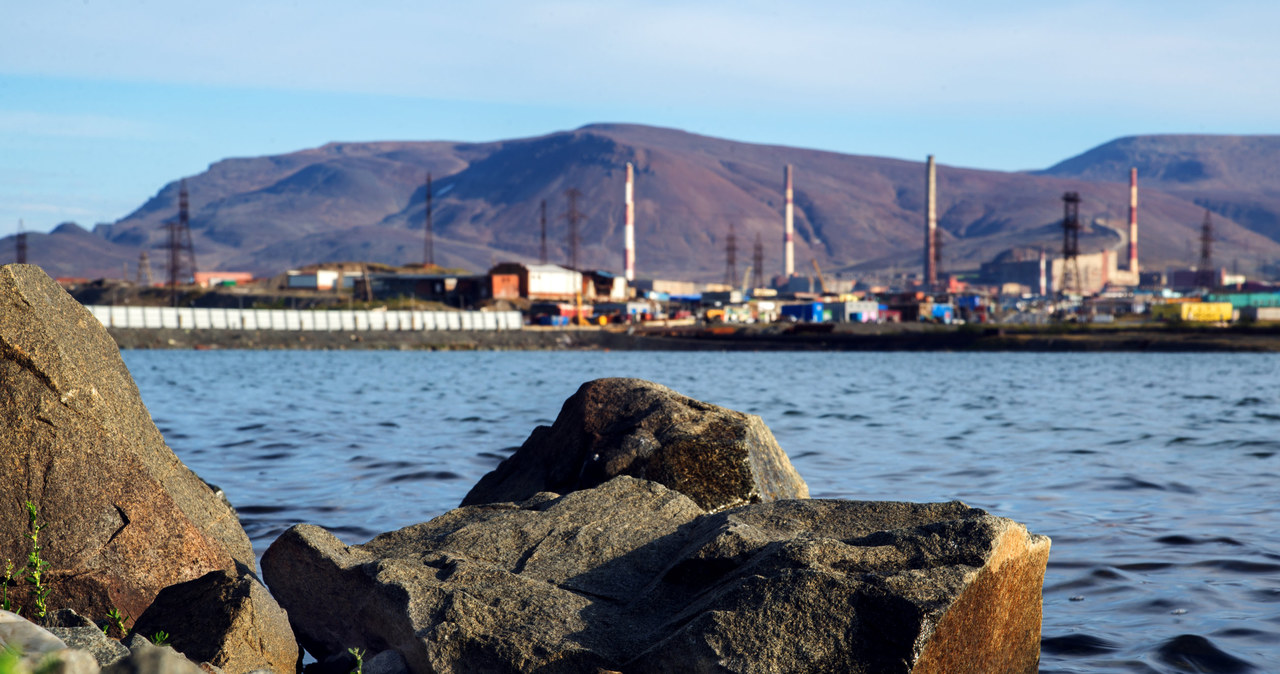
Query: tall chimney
point(788, 238)
point(931, 225)
point(1133, 220)
point(629, 235)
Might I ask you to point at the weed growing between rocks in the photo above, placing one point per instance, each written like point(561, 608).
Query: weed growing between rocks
point(358, 653)
point(35, 565)
point(160, 638)
point(9, 658)
point(33, 572)
point(5, 602)
point(117, 620)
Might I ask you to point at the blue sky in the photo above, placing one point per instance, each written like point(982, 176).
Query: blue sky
point(101, 103)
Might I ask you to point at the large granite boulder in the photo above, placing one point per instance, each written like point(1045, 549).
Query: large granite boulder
point(718, 457)
point(226, 619)
point(122, 516)
point(635, 577)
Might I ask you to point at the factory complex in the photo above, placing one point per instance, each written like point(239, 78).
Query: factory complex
point(1027, 285)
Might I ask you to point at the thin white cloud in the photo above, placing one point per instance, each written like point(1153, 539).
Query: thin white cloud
point(70, 125)
point(60, 210)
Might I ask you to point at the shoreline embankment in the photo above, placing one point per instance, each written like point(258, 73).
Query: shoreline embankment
point(904, 337)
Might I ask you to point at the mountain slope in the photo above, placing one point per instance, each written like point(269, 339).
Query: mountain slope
point(367, 201)
point(1236, 177)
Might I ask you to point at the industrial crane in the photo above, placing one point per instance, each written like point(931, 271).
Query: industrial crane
point(822, 283)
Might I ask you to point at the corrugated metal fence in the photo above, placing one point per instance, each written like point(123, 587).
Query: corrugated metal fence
point(288, 319)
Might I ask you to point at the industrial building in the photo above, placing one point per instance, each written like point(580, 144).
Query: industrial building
point(208, 279)
point(455, 290)
point(325, 276)
point(537, 282)
point(1040, 274)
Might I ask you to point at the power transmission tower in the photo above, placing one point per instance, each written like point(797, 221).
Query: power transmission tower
point(428, 252)
point(574, 216)
point(731, 257)
point(20, 244)
point(542, 248)
point(1206, 277)
point(182, 255)
point(1070, 244)
point(144, 269)
point(757, 262)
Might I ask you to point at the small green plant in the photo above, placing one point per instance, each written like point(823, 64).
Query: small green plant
point(358, 654)
point(10, 659)
point(35, 565)
point(117, 620)
point(160, 638)
point(5, 602)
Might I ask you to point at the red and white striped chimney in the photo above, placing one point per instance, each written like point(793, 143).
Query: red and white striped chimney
point(1133, 220)
point(629, 229)
point(931, 224)
point(788, 237)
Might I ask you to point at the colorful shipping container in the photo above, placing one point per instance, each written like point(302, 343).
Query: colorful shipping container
point(1248, 299)
point(813, 312)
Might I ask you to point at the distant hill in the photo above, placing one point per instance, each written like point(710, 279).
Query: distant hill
point(1236, 177)
point(365, 201)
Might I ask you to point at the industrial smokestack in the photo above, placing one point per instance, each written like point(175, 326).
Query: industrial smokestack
point(931, 225)
point(788, 237)
point(629, 231)
point(1133, 220)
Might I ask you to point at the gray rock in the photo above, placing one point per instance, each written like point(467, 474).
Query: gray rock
point(228, 620)
point(716, 456)
point(123, 517)
point(145, 658)
point(80, 633)
point(137, 642)
point(144, 654)
point(65, 617)
point(386, 662)
point(67, 661)
point(25, 636)
point(632, 576)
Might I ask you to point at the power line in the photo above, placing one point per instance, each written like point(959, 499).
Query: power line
point(182, 254)
point(757, 261)
point(144, 269)
point(731, 257)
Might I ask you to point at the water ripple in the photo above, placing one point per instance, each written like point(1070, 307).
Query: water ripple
point(1149, 471)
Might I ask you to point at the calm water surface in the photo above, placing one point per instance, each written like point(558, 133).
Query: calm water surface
point(1156, 475)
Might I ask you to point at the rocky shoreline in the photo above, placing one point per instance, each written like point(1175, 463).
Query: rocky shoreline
point(643, 531)
point(1138, 338)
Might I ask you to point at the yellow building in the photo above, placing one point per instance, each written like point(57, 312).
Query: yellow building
point(1200, 312)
